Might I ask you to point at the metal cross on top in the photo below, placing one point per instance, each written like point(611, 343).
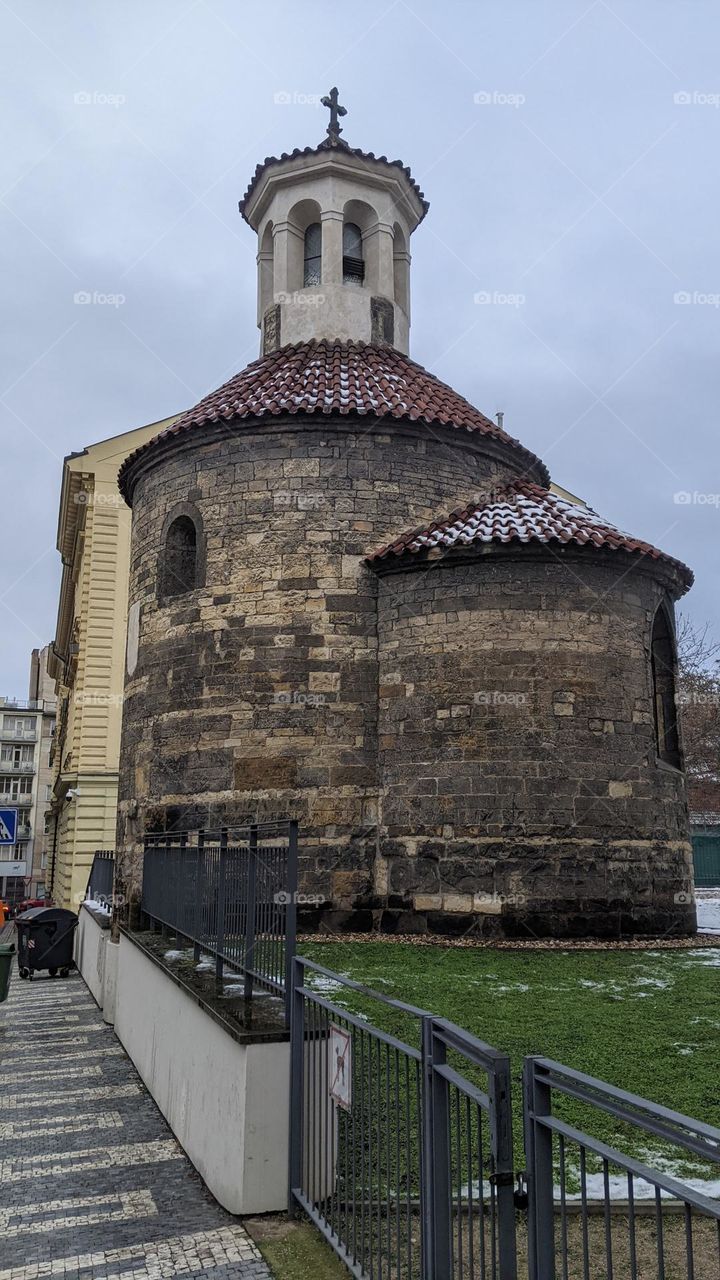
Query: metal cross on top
point(331, 102)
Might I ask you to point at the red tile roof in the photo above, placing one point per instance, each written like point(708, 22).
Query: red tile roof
point(524, 512)
point(345, 378)
point(328, 145)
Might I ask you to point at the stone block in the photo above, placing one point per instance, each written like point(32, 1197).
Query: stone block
point(617, 790)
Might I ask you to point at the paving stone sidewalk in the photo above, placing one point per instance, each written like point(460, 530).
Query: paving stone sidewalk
point(93, 1184)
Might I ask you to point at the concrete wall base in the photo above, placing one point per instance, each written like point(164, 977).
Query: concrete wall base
point(226, 1101)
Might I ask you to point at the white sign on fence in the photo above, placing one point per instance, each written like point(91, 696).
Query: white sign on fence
point(341, 1067)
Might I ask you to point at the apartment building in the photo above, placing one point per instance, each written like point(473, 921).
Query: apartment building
point(27, 729)
point(87, 662)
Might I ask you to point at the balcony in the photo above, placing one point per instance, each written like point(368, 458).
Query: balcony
point(11, 798)
point(14, 766)
point(18, 735)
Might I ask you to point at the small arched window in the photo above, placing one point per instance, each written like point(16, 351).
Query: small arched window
point(312, 263)
point(663, 682)
point(181, 557)
point(353, 265)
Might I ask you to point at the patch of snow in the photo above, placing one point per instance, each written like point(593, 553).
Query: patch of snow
point(711, 1022)
point(618, 1187)
point(708, 956)
point(172, 955)
point(234, 989)
point(503, 987)
point(326, 986)
point(205, 966)
point(613, 987)
point(708, 915)
point(660, 983)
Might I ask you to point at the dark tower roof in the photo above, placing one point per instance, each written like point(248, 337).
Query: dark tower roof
point(346, 378)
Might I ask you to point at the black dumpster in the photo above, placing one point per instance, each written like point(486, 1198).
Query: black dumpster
point(45, 941)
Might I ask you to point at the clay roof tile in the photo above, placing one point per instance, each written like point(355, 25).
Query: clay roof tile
point(525, 512)
point(336, 378)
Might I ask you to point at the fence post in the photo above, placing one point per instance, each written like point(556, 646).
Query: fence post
point(503, 1170)
point(296, 1087)
point(182, 889)
point(291, 889)
point(222, 870)
point(198, 896)
point(537, 1102)
point(436, 1235)
point(149, 924)
point(251, 911)
point(166, 859)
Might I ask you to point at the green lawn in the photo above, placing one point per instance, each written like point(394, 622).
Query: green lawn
point(648, 1021)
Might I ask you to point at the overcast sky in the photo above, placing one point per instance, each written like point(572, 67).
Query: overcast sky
point(569, 151)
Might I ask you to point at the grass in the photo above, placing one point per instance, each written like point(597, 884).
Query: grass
point(648, 1021)
point(293, 1249)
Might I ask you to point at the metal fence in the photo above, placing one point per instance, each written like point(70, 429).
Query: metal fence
point(706, 858)
point(401, 1153)
point(232, 894)
point(574, 1179)
point(102, 876)
point(398, 1154)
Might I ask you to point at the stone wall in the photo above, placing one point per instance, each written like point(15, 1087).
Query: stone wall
point(521, 788)
point(256, 695)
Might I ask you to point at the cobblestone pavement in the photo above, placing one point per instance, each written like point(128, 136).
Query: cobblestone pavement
point(92, 1182)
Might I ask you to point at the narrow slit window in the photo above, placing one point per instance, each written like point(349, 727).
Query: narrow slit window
point(312, 269)
point(353, 264)
point(663, 684)
point(180, 557)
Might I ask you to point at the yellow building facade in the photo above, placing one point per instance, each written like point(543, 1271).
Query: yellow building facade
point(88, 660)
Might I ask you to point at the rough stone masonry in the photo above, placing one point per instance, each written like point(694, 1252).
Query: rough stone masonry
point(388, 625)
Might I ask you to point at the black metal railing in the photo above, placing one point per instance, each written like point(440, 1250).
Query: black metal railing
point(102, 876)
point(232, 894)
point(400, 1144)
point(577, 1182)
point(401, 1154)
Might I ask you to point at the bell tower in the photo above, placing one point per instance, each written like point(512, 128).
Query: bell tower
point(333, 226)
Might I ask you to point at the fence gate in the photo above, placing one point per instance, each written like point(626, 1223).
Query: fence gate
point(400, 1136)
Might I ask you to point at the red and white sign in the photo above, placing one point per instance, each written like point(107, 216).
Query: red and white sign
point(341, 1067)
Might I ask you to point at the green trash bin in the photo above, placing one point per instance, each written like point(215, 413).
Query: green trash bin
point(7, 951)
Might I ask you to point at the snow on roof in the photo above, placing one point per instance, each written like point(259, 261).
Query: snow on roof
point(523, 512)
